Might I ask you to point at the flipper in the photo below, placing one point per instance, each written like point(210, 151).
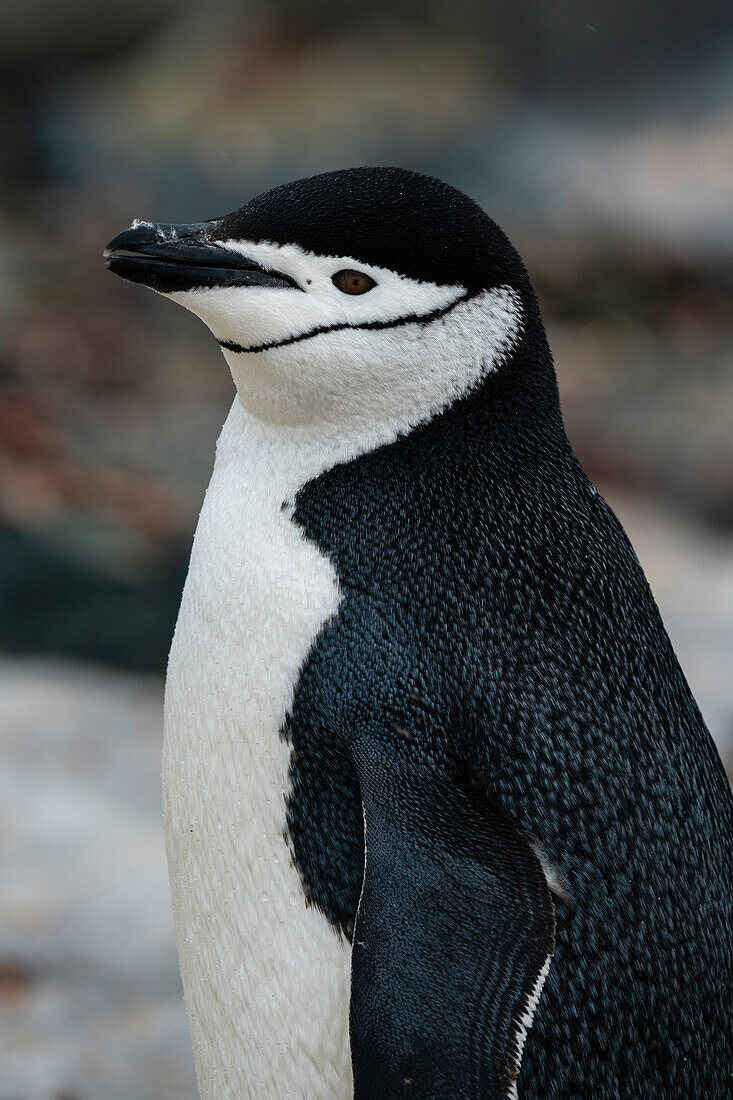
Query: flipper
point(453, 936)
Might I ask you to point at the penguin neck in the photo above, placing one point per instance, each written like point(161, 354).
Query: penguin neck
point(520, 403)
point(515, 400)
point(309, 450)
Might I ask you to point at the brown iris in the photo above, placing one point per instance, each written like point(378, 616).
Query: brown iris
point(352, 282)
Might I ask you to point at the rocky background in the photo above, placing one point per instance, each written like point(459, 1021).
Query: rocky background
point(599, 135)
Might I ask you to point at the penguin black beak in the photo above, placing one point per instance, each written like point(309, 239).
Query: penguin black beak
point(170, 258)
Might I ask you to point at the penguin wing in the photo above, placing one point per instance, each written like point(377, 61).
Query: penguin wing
point(452, 942)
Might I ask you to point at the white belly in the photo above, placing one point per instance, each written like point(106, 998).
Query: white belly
point(266, 979)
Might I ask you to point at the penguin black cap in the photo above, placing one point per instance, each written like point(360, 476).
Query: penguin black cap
point(389, 217)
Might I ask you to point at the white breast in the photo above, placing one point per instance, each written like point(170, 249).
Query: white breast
point(266, 979)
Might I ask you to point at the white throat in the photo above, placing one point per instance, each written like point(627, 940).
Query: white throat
point(358, 378)
point(317, 357)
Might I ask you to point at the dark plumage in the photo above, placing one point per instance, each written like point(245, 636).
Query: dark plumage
point(389, 217)
point(498, 642)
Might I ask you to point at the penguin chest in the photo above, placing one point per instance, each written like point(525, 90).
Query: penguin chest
point(265, 978)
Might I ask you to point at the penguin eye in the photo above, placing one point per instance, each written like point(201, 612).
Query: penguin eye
point(352, 282)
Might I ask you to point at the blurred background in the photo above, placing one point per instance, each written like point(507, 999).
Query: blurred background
point(598, 134)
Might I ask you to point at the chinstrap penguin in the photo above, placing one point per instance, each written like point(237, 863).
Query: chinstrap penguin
point(439, 803)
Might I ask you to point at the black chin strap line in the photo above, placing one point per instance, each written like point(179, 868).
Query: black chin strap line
point(408, 319)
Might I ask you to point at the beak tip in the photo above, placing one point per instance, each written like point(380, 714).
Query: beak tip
point(171, 258)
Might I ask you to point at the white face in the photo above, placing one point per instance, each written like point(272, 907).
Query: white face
point(320, 357)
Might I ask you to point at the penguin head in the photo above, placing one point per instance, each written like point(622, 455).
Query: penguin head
point(358, 296)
